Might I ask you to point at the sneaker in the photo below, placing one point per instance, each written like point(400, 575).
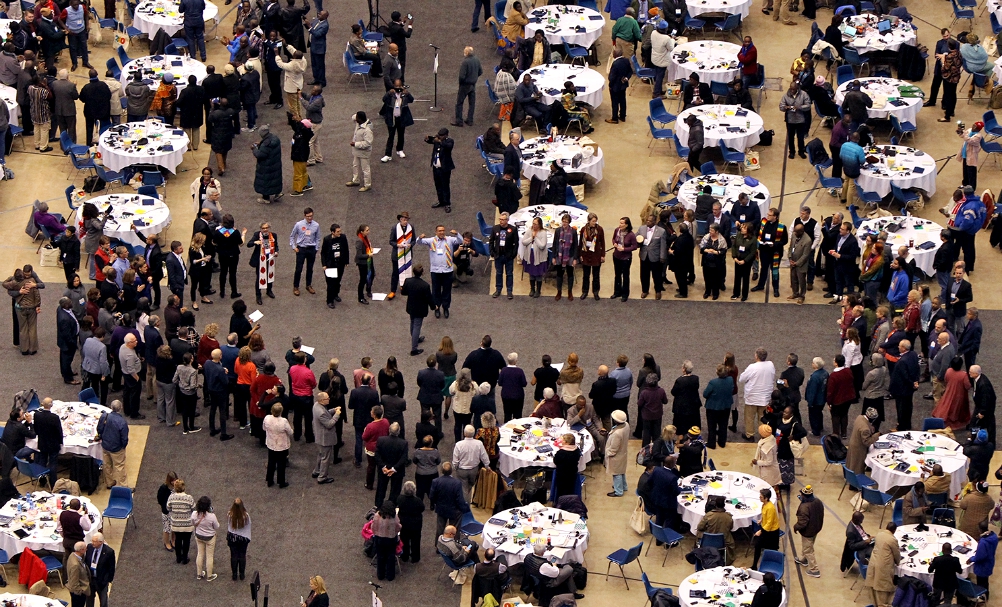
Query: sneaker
point(813, 573)
point(352, 184)
point(199, 576)
point(386, 159)
point(295, 193)
point(309, 186)
point(211, 577)
point(194, 430)
point(364, 188)
point(401, 154)
point(800, 561)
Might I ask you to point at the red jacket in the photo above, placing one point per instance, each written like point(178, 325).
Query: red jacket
point(262, 383)
point(205, 347)
point(303, 380)
point(31, 569)
point(373, 432)
point(913, 318)
point(841, 390)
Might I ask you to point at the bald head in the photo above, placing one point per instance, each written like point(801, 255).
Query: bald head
point(603, 370)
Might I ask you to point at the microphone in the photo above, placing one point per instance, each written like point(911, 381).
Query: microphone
point(376, 586)
point(434, 47)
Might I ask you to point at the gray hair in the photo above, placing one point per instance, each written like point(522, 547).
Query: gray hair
point(211, 191)
point(232, 338)
point(469, 431)
point(504, 216)
point(154, 320)
point(65, 303)
point(547, 393)
point(485, 389)
point(687, 366)
point(98, 536)
point(761, 354)
point(43, 207)
point(538, 548)
point(819, 362)
point(394, 429)
point(513, 358)
point(79, 545)
point(116, 406)
point(410, 489)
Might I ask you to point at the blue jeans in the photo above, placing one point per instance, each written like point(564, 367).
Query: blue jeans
point(943, 279)
point(416, 322)
point(659, 78)
point(506, 267)
point(619, 484)
point(251, 115)
point(196, 36)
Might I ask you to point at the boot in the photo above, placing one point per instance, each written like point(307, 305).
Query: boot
point(584, 293)
point(532, 288)
point(570, 293)
point(596, 295)
point(560, 287)
point(258, 296)
point(271, 293)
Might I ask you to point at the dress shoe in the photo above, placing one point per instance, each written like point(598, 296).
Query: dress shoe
point(657, 295)
point(596, 296)
point(325, 481)
point(225, 437)
point(363, 301)
point(446, 312)
point(612, 121)
point(271, 294)
point(578, 595)
point(511, 296)
point(557, 298)
point(236, 295)
point(644, 295)
point(438, 313)
point(391, 295)
point(455, 123)
point(612, 494)
point(283, 485)
point(755, 289)
point(315, 475)
point(496, 294)
point(258, 298)
point(296, 291)
point(312, 291)
point(930, 103)
point(417, 352)
point(337, 299)
point(331, 305)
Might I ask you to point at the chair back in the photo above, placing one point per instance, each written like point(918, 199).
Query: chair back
point(633, 554)
point(484, 228)
point(861, 564)
point(719, 89)
point(844, 73)
point(996, 28)
point(712, 466)
point(944, 516)
point(149, 190)
point(932, 423)
point(712, 540)
point(569, 197)
point(112, 66)
point(732, 21)
point(499, 7)
point(490, 91)
point(480, 247)
point(123, 57)
point(170, 49)
point(897, 514)
point(772, 561)
point(850, 477)
point(966, 587)
point(708, 168)
point(702, 227)
point(119, 493)
point(681, 149)
point(937, 499)
point(88, 395)
point(845, 10)
point(69, 196)
point(153, 178)
point(895, 140)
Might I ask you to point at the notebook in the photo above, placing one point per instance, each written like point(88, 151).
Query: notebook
point(884, 26)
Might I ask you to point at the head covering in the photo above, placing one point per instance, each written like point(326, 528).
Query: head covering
point(662, 25)
point(971, 38)
point(871, 413)
point(982, 436)
point(306, 122)
point(808, 490)
point(694, 431)
point(264, 130)
point(168, 78)
point(981, 486)
point(653, 11)
point(968, 189)
point(819, 81)
point(404, 214)
point(619, 417)
point(977, 126)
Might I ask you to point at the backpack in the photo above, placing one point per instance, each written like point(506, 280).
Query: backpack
point(834, 447)
point(765, 138)
point(535, 489)
point(645, 453)
point(580, 576)
point(664, 598)
point(995, 98)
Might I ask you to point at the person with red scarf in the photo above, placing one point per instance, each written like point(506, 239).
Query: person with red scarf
point(363, 259)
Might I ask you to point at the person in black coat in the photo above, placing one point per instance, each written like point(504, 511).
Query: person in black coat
point(513, 154)
point(619, 81)
point(103, 574)
point(695, 89)
point(686, 404)
point(177, 275)
point(232, 83)
point(680, 259)
point(334, 255)
point(228, 240)
point(410, 511)
point(221, 134)
point(302, 134)
point(96, 99)
point(250, 92)
point(214, 88)
point(17, 432)
point(904, 382)
point(391, 464)
point(944, 569)
point(856, 543)
point(154, 256)
point(396, 125)
point(49, 428)
point(268, 171)
point(419, 303)
point(983, 395)
point(556, 185)
point(69, 253)
point(845, 256)
point(485, 363)
point(447, 499)
point(191, 103)
point(507, 193)
point(442, 166)
point(67, 330)
point(361, 400)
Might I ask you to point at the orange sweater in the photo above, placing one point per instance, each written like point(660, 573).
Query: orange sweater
point(246, 372)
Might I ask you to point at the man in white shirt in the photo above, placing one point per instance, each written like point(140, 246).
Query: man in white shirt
point(467, 456)
point(536, 564)
point(759, 379)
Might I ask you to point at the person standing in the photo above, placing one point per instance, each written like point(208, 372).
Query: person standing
point(719, 400)
point(78, 576)
point(440, 252)
point(564, 252)
point(713, 249)
point(653, 256)
point(503, 244)
point(268, 170)
point(49, 430)
point(313, 106)
point(399, 31)
point(100, 557)
point(293, 82)
point(743, 250)
point(984, 557)
point(800, 256)
point(67, 334)
point(592, 249)
point(191, 102)
point(318, 48)
point(96, 98)
point(361, 150)
point(470, 71)
point(227, 241)
point(680, 259)
point(942, 46)
point(844, 254)
point(759, 379)
point(951, 71)
point(64, 96)
point(771, 240)
point(904, 382)
point(304, 240)
point(397, 115)
point(624, 242)
point(302, 384)
point(441, 167)
point(810, 520)
point(391, 463)
point(796, 106)
point(217, 386)
point(250, 92)
point(402, 239)
point(277, 432)
point(334, 256)
point(619, 81)
point(114, 433)
point(945, 569)
point(302, 133)
point(325, 421)
point(616, 455)
point(419, 302)
point(265, 244)
point(194, 25)
point(131, 366)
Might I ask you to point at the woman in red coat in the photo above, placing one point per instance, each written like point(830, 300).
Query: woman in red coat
point(841, 393)
point(953, 407)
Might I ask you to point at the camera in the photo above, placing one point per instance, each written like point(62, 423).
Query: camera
point(960, 126)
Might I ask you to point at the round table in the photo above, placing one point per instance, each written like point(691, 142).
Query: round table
point(550, 214)
point(537, 155)
point(43, 535)
point(513, 532)
point(153, 15)
point(726, 189)
point(879, 177)
point(27, 600)
point(79, 421)
point(870, 40)
point(713, 61)
point(936, 449)
point(880, 90)
point(575, 24)
point(929, 545)
point(551, 78)
point(997, 70)
point(535, 437)
point(9, 96)
point(914, 229)
point(727, 7)
point(153, 68)
point(723, 586)
point(738, 127)
point(132, 209)
point(119, 145)
point(741, 491)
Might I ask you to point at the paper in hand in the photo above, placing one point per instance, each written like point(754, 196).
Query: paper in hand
point(255, 316)
point(308, 349)
point(330, 272)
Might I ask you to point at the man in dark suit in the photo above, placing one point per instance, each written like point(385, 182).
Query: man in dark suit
point(49, 429)
point(513, 157)
point(958, 294)
point(100, 559)
point(419, 303)
point(619, 81)
point(441, 167)
point(970, 339)
point(67, 330)
point(485, 363)
point(391, 461)
point(680, 259)
point(399, 32)
point(984, 401)
point(830, 228)
point(504, 248)
point(361, 400)
point(904, 382)
point(177, 274)
point(392, 67)
point(447, 497)
point(334, 255)
point(96, 98)
point(845, 252)
point(154, 255)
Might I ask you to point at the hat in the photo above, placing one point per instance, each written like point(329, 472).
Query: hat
point(662, 25)
point(871, 413)
point(982, 436)
point(619, 417)
point(404, 215)
point(168, 78)
point(819, 81)
point(264, 130)
point(968, 189)
point(977, 126)
point(981, 486)
point(694, 431)
point(442, 132)
point(808, 490)
point(306, 122)
point(653, 11)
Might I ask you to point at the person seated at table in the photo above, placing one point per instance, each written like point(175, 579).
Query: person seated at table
point(493, 146)
point(858, 543)
point(718, 520)
point(534, 51)
point(914, 507)
point(539, 567)
point(548, 407)
point(568, 97)
point(528, 96)
point(938, 481)
point(823, 97)
point(769, 594)
point(975, 58)
point(833, 36)
point(556, 185)
point(7, 491)
point(514, 28)
point(696, 93)
point(460, 549)
point(739, 95)
point(53, 223)
point(356, 44)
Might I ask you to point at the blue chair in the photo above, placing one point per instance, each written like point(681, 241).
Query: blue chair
point(865, 6)
point(719, 89)
point(16, 131)
point(731, 24)
point(680, 150)
point(992, 148)
point(856, 481)
point(996, 28)
point(877, 498)
point(650, 588)
point(856, 219)
point(815, 163)
point(702, 227)
point(69, 201)
point(961, 13)
point(708, 168)
point(863, 566)
point(714, 540)
point(760, 87)
point(180, 44)
point(592, 4)
point(710, 463)
point(4, 560)
point(842, 11)
point(68, 147)
point(171, 49)
point(30, 469)
point(156, 180)
point(575, 52)
point(903, 196)
point(112, 66)
point(80, 164)
point(120, 505)
point(148, 190)
point(645, 74)
point(843, 74)
point(490, 92)
point(106, 24)
point(853, 58)
point(992, 126)
point(904, 128)
point(657, 134)
point(867, 197)
point(469, 525)
point(895, 140)
point(34, 403)
point(109, 176)
point(499, 7)
point(898, 513)
point(692, 24)
point(53, 564)
point(451, 565)
point(772, 561)
point(485, 229)
point(965, 587)
point(662, 115)
point(572, 201)
point(357, 68)
point(669, 537)
point(88, 395)
point(123, 57)
point(933, 423)
point(937, 499)
point(623, 557)
point(735, 157)
point(369, 36)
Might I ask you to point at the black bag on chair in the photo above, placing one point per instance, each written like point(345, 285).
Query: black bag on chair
point(93, 183)
point(86, 471)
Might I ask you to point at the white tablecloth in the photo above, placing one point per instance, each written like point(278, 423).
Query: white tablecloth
point(9, 96)
point(871, 40)
point(5, 28)
point(126, 209)
point(915, 230)
point(717, 119)
point(551, 78)
point(569, 20)
point(119, 145)
point(27, 600)
point(713, 61)
point(730, 7)
point(535, 436)
point(563, 148)
point(945, 452)
point(550, 214)
point(79, 422)
point(515, 539)
point(44, 535)
point(878, 178)
point(880, 89)
point(998, 68)
point(725, 583)
point(744, 488)
point(732, 186)
point(153, 15)
point(929, 545)
point(995, 7)
point(155, 66)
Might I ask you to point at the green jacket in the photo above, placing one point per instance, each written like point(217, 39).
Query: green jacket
point(750, 245)
point(627, 28)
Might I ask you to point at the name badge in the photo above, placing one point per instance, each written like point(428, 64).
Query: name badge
point(742, 217)
point(768, 236)
point(501, 239)
point(741, 249)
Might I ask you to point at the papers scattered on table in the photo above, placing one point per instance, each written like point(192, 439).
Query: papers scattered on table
point(255, 316)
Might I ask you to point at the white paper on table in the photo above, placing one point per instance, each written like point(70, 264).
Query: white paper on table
point(558, 366)
point(376, 250)
point(330, 272)
point(510, 547)
point(558, 552)
point(570, 517)
point(308, 349)
point(378, 296)
point(255, 316)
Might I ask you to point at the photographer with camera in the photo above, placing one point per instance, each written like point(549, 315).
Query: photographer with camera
point(397, 116)
point(441, 167)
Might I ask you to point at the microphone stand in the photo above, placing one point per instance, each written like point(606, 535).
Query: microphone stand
point(434, 107)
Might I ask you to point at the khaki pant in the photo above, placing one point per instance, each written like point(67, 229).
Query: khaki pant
point(767, 5)
point(27, 321)
point(753, 417)
point(194, 137)
point(938, 388)
point(627, 47)
point(783, 12)
point(798, 281)
point(882, 599)
point(151, 381)
point(361, 165)
point(114, 469)
point(848, 190)
point(807, 547)
point(292, 100)
point(204, 560)
point(299, 176)
point(315, 154)
point(41, 136)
